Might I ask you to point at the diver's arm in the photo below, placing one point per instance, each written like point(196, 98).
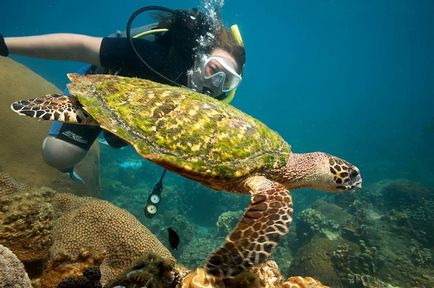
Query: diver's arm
point(62, 46)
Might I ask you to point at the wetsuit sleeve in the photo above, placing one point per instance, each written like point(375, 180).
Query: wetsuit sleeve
point(117, 53)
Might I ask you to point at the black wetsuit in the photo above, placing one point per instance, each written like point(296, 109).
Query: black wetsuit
point(117, 56)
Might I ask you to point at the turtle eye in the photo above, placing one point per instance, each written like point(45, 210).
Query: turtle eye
point(354, 173)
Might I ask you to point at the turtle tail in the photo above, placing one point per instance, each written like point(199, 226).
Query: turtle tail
point(54, 107)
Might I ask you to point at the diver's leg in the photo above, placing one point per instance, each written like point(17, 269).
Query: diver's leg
point(67, 144)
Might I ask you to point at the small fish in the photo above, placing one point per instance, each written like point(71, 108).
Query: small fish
point(132, 164)
point(173, 238)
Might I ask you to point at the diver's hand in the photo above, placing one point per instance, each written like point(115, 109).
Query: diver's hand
point(4, 51)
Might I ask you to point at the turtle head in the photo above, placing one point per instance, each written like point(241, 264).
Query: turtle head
point(342, 175)
point(320, 171)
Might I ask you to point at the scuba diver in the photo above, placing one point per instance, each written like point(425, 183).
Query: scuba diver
point(188, 49)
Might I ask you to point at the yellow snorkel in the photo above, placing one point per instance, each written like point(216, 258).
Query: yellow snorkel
point(237, 35)
point(152, 31)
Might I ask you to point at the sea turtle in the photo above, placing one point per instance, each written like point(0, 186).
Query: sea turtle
point(208, 141)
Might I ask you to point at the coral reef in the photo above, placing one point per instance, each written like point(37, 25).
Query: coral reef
point(351, 265)
point(401, 193)
point(324, 219)
point(303, 282)
point(314, 259)
point(408, 206)
point(90, 279)
point(390, 223)
point(311, 223)
point(227, 221)
point(185, 230)
point(378, 238)
point(12, 272)
point(283, 254)
point(94, 232)
point(198, 250)
point(266, 275)
point(421, 256)
point(198, 278)
point(332, 211)
point(26, 219)
point(151, 271)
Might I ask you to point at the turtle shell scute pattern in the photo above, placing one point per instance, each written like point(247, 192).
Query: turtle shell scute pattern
point(179, 128)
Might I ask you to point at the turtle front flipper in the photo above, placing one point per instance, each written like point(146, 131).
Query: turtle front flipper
point(264, 222)
point(54, 107)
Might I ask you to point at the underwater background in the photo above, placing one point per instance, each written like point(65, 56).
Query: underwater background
point(351, 78)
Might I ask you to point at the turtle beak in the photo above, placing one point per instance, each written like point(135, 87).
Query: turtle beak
point(355, 181)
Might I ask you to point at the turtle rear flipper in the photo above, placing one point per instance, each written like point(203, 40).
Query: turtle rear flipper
point(54, 107)
point(263, 224)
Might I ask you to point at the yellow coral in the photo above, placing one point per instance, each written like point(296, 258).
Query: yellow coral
point(88, 226)
point(303, 282)
point(198, 278)
point(266, 275)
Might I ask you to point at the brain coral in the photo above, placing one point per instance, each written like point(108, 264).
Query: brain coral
point(97, 226)
point(12, 273)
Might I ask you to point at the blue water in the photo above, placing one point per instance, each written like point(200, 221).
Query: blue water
point(351, 78)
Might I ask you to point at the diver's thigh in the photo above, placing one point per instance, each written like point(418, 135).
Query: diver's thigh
point(67, 144)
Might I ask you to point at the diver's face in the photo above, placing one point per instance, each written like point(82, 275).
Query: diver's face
point(215, 73)
point(215, 66)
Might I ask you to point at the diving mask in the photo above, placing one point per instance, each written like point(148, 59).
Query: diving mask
point(213, 75)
